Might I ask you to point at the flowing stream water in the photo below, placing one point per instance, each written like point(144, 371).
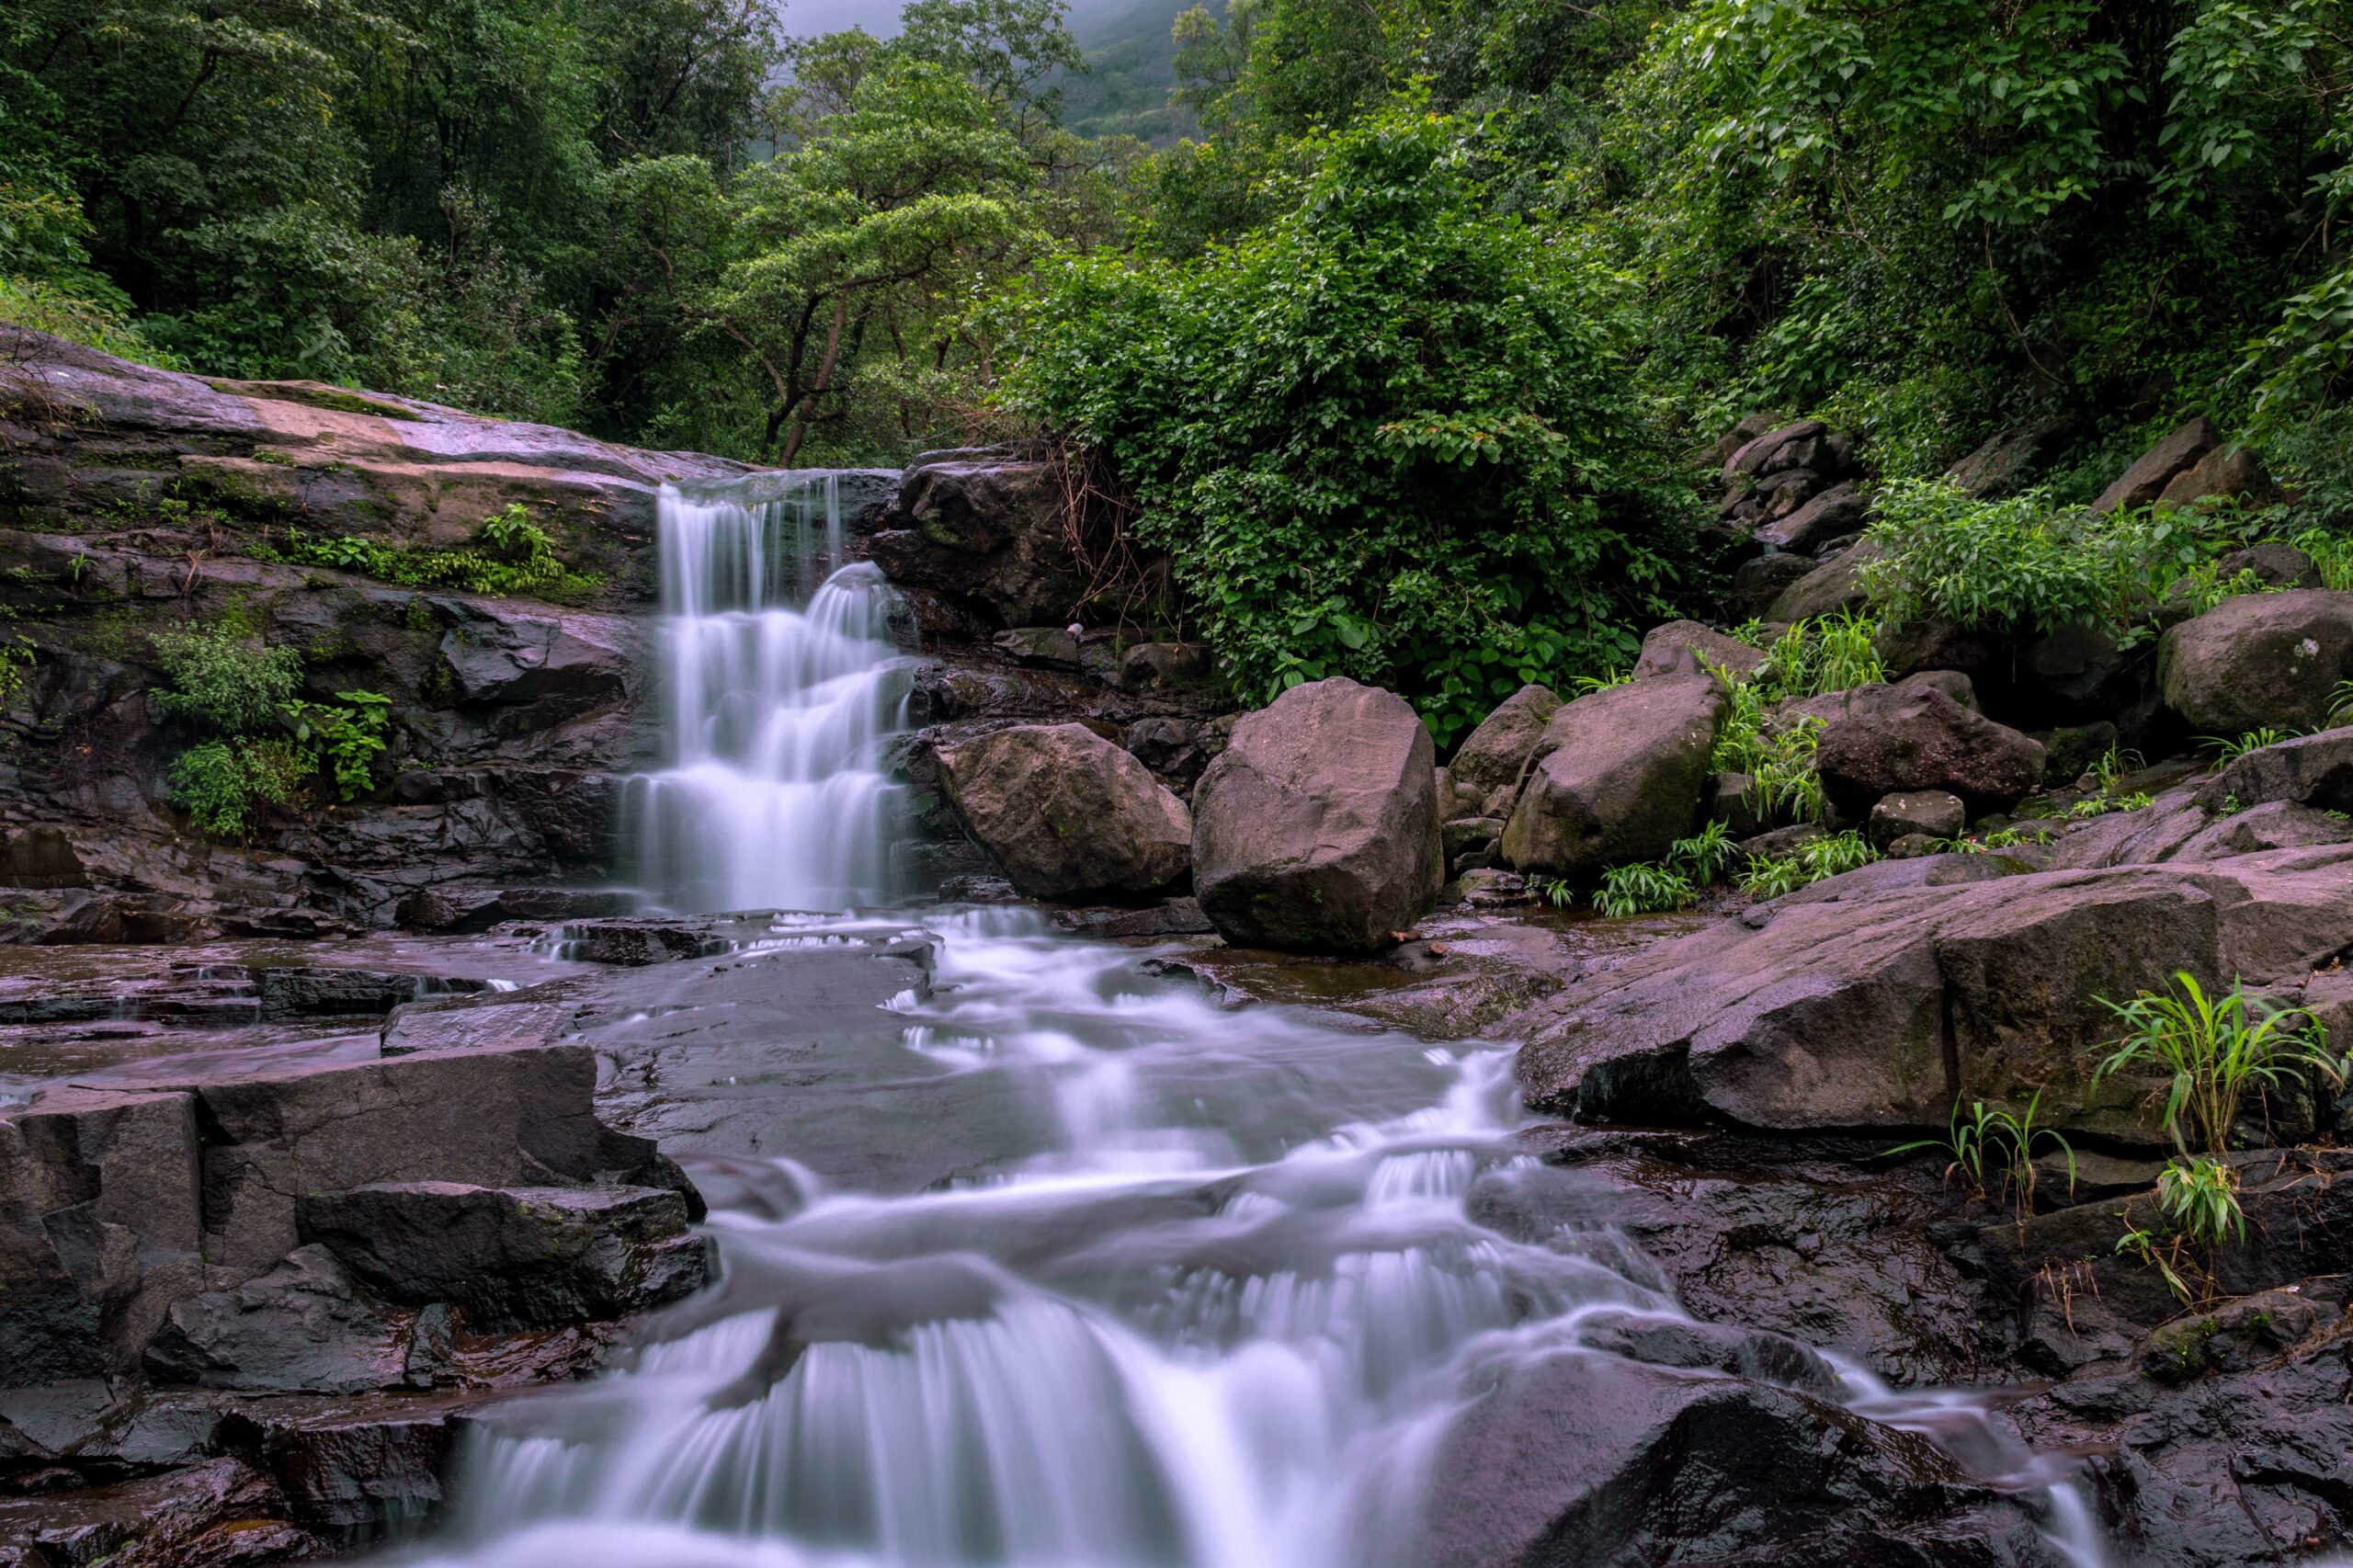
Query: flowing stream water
point(1220, 1316)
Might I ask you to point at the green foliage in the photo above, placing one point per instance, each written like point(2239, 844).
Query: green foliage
point(2200, 1199)
point(1771, 876)
point(1814, 657)
point(1988, 1147)
point(2227, 750)
point(2114, 763)
point(514, 555)
point(220, 782)
point(2022, 562)
point(346, 739)
point(2141, 1243)
point(2332, 554)
point(1384, 435)
point(2102, 803)
point(1642, 888)
point(260, 741)
point(224, 682)
point(1705, 857)
point(2212, 1050)
point(1830, 855)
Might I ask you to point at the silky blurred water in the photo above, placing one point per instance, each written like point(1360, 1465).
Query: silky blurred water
point(1220, 1313)
point(780, 687)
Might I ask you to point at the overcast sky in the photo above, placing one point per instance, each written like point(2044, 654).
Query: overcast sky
point(804, 18)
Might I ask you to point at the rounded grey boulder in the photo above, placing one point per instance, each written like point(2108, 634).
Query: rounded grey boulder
point(1316, 830)
point(2259, 659)
point(1065, 811)
point(1617, 775)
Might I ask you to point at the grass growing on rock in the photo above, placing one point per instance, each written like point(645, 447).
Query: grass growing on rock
point(511, 554)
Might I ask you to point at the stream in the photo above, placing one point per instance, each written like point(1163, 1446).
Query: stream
point(1223, 1310)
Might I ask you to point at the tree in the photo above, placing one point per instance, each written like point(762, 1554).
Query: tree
point(882, 224)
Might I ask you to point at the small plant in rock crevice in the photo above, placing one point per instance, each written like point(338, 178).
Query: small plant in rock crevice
point(258, 742)
point(2227, 751)
point(1989, 1146)
point(1771, 876)
point(2212, 1050)
point(1642, 888)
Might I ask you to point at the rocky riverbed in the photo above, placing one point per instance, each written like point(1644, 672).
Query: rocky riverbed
point(1191, 1040)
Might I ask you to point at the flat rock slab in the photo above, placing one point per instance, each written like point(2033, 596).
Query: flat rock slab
point(1882, 1011)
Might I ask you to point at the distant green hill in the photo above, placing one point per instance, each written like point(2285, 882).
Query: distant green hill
point(1130, 57)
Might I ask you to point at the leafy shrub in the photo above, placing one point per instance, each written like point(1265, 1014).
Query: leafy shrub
point(1771, 876)
point(1386, 435)
point(2213, 1048)
point(348, 740)
point(2021, 562)
point(2332, 556)
point(1642, 888)
point(220, 782)
point(262, 740)
point(515, 556)
point(2200, 1198)
point(1704, 857)
point(222, 682)
point(1817, 656)
point(2227, 750)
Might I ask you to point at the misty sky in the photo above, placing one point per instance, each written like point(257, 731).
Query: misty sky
point(881, 17)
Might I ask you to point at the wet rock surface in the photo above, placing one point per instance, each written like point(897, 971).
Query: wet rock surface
point(1065, 811)
point(1316, 828)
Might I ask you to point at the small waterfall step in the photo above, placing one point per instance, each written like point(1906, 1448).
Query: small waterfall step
point(782, 681)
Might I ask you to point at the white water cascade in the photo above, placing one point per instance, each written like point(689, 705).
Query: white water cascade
point(1218, 1297)
point(781, 690)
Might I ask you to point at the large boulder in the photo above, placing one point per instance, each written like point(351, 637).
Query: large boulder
point(2311, 770)
point(2259, 660)
point(566, 662)
point(2006, 459)
point(1835, 513)
point(1889, 739)
point(1316, 829)
point(988, 530)
point(1486, 767)
point(1066, 812)
point(2146, 480)
point(118, 1204)
point(1835, 584)
point(1807, 444)
point(1688, 647)
point(1584, 1459)
point(1931, 812)
point(1617, 775)
point(340, 460)
point(1882, 1010)
point(2223, 473)
point(302, 1326)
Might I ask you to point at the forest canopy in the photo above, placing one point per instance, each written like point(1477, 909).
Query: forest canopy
point(1402, 354)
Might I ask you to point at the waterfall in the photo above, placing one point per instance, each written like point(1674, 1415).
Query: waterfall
point(781, 688)
point(1216, 1301)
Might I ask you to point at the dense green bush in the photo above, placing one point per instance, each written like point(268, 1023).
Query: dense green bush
point(2022, 562)
point(258, 743)
point(224, 683)
point(1386, 435)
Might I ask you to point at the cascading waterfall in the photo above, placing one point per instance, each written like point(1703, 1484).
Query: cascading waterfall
point(780, 689)
point(1219, 1311)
